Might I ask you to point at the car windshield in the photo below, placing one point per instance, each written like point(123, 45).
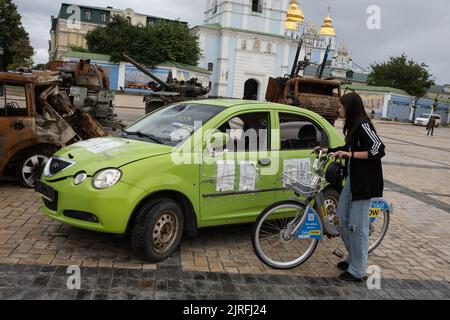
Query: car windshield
point(172, 125)
point(425, 115)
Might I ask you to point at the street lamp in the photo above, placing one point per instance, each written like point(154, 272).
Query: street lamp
point(2, 52)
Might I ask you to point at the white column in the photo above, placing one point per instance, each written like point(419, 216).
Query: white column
point(246, 14)
point(121, 77)
point(267, 16)
point(202, 44)
point(223, 67)
point(387, 98)
point(227, 14)
point(285, 65)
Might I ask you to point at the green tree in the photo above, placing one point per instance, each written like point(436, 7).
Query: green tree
point(151, 45)
point(13, 37)
point(401, 73)
point(435, 104)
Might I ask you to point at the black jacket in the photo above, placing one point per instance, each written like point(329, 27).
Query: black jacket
point(366, 175)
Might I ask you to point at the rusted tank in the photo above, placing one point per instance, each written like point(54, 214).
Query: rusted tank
point(88, 88)
point(321, 96)
point(318, 95)
point(170, 91)
point(37, 119)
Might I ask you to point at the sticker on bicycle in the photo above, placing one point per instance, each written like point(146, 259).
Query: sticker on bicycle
point(376, 207)
point(324, 211)
point(311, 228)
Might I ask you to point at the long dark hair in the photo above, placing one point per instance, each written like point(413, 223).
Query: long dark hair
point(355, 113)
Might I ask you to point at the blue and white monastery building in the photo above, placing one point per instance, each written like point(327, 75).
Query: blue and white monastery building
point(244, 42)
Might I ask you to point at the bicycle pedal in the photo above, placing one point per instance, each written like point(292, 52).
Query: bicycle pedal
point(338, 253)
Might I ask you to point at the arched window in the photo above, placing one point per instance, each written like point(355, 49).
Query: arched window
point(244, 45)
point(269, 48)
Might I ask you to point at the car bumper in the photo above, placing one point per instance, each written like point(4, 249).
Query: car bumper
point(112, 207)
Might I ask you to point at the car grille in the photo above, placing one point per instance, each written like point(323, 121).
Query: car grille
point(52, 205)
point(57, 165)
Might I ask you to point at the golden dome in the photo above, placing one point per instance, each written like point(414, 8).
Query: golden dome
point(294, 16)
point(327, 27)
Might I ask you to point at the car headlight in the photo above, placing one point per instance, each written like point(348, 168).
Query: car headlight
point(106, 178)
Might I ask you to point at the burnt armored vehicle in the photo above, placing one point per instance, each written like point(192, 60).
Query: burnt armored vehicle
point(88, 88)
point(170, 91)
point(36, 120)
point(316, 94)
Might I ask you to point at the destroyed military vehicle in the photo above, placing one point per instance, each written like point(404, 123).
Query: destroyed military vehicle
point(319, 95)
point(170, 91)
point(36, 120)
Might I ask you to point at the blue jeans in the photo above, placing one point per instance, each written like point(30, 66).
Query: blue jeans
point(354, 220)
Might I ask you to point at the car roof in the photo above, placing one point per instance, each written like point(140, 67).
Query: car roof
point(231, 103)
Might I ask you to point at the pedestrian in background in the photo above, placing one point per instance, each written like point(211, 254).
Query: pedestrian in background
point(430, 126)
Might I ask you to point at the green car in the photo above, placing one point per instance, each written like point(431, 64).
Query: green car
point(187, 166)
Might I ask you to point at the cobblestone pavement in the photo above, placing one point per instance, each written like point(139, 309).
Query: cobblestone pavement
point(169, 282)
point(414, 257)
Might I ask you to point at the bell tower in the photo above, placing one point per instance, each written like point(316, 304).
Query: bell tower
point(266, 16)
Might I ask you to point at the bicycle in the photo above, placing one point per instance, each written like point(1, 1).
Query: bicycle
point(291, 229)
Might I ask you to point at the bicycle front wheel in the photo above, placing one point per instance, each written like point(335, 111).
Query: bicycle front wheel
point(269, 239)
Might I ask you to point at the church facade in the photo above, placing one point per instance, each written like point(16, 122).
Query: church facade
point(244, 42)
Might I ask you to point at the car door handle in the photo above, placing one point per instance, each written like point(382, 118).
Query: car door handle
point(264, 162)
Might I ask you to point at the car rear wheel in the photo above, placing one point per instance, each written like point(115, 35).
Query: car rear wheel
point(157, 230)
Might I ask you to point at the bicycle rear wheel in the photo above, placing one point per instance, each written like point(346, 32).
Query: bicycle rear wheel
point(269, 242)
point(378, 229)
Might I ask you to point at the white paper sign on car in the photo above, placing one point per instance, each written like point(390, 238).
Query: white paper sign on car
point(225, 175)
point(247, 179)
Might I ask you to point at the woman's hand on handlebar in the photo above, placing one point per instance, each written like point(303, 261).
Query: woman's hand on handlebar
point(342, 154)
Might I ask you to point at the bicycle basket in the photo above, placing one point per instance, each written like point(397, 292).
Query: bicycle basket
point(302, 181)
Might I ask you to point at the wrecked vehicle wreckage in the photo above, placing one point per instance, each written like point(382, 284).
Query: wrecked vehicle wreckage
point(37, 118)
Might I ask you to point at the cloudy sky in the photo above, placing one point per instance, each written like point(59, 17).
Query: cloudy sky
point(419, 28)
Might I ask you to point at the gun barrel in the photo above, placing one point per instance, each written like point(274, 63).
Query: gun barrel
point(325, 58)
point(145, 71)
point(297, 54)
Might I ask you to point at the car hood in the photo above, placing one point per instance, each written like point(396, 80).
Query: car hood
point(99, 153)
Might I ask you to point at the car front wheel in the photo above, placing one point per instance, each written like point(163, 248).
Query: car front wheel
point(157, 230)
point(31, 166)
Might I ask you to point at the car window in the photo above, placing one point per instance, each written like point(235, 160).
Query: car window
point(248, 131)
point(299, 133)
point(172, 125)
point(13, 100)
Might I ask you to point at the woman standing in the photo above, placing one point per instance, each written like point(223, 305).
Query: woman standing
point(363, 151)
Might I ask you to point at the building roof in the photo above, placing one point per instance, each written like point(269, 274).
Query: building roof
point(107, 58)
point(185, 67)
point(218, 27)
point(87, 55)
point(63, 15)
point(440, 89)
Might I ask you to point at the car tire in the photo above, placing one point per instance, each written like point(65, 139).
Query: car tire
point(157, 229)
point(31, 165)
